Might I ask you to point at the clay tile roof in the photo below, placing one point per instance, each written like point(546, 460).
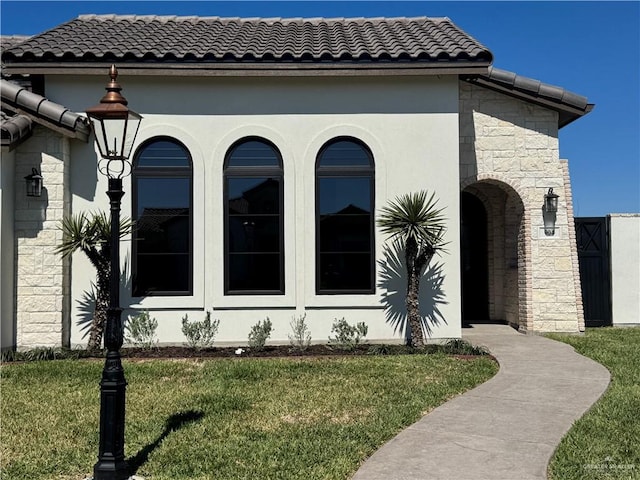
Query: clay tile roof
point(8, 41)
point(569, 105)
point(14, 129)
point(150, 38)
point(19, 99)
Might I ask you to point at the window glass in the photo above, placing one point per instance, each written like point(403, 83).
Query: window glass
point(340, 194)
point(163, 153)
point(163, 193)
point(162, 235)
point(252, 153)
point(344, 220)
point(343, 153)
point(254, 252)
point(253, 195)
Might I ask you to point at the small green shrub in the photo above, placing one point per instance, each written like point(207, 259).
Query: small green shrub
point(200, 334)
point(43, 353)
point(259, 334)
point(379, 349)
point(9, 356)
point(141, 330)
point(394, 349)
point(300, 337)
point(347, 337)
point(458, 346)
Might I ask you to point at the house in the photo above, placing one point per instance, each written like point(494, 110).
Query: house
point(266, 150)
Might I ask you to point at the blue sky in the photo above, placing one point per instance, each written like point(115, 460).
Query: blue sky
point(590, 48)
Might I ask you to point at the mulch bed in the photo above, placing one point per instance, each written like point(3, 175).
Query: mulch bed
point(275, 351)
point(272, 351)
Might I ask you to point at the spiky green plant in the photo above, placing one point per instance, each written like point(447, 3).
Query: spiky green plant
point(90, 233)
point(414, 221)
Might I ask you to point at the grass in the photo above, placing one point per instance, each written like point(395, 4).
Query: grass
point(224, 418)
point(605, 443)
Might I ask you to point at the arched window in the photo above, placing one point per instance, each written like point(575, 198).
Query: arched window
point(253, 226)
point(344, 218)
point(162, 211)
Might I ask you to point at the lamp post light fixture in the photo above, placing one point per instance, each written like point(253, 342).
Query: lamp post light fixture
point(34, 183)
point(115, 128)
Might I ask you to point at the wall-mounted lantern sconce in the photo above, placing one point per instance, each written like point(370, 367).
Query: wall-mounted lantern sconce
point(551, 202)
point(34, 184)
point(549, 213)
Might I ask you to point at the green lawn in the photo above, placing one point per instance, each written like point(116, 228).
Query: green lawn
point(224, 419)
point(605, 443)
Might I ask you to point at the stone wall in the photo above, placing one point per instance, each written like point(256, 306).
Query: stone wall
point(511, 146)
point(42, 281)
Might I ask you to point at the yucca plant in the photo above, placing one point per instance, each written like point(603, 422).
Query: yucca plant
point(91, 233)
point(419, 226)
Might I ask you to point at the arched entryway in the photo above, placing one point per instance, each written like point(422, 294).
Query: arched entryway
point(493, 254)
point(474, 260)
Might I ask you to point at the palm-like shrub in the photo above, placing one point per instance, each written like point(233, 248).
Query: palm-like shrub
point(418, 225)
point(91, 233)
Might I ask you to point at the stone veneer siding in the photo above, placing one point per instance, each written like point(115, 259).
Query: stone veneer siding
point(42, 276)
point(509, 159)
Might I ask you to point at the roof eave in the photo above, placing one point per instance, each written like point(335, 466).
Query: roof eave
point(79, 133)
point(13, 134)
point(12, 143)
point(567, 113)
point(20, 100)
point(211, 69)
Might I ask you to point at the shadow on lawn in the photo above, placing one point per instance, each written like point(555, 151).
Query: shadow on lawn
point(173, 423)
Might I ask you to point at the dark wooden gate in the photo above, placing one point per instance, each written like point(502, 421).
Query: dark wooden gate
point(592, 237)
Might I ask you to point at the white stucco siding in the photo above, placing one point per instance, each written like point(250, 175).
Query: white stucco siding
point(625, 268)
point(410, 125)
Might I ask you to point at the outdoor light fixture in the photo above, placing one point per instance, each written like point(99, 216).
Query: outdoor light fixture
point(551, 202)
point(34, 183)
point(549, 213)
point(115, 128)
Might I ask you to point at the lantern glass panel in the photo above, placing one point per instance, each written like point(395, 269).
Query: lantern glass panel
point(34, 187)
point(34, 184)
point(130, 131)
point(115, 136)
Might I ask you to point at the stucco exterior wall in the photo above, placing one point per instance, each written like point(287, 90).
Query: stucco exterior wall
point(41, 275)
point(7, 270)
point(512, 146)
point(625, 268)
point(410, 125)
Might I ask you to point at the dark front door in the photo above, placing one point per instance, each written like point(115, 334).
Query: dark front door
point(475, 270)
point(592, 239)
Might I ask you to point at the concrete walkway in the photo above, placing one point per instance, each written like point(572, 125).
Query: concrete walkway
point(504, 429)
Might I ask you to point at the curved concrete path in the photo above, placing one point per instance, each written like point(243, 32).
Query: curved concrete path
point(504, 429)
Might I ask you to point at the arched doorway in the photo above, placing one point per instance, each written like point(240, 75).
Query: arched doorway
point(494, 249)
point(474, 259)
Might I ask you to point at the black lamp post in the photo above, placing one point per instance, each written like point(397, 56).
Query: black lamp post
point(115, 128)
